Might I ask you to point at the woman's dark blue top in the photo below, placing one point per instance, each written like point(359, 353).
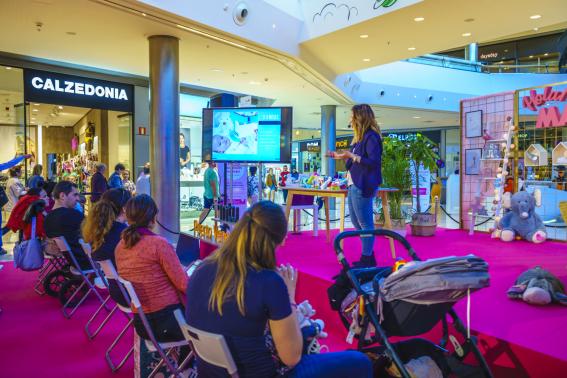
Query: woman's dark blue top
point(367, 175)
point(265, 298)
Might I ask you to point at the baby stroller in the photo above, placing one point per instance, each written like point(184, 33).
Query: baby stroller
point(376, 319)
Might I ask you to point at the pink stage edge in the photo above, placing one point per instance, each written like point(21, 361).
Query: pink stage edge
point(517, 339)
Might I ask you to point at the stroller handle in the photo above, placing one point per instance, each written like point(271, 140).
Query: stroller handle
point(376, 232)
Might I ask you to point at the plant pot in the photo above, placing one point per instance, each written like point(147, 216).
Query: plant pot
point(399, 226)
point(423, 224)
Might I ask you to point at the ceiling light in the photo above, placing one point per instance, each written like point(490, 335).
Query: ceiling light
point(143, 14)
point(531, 56)
point(416, 117)
point(466, 34)
point(60, 107)
point(33, 119)
point(364, 36)
point(254, 83)
point(35, 110)
point(536, 29)
point(411, 48)
point(216, 70)
point(366, 60)
point(546, 54)
point(535, 16)
point(297, 132)
point(273, 26)
point(8, 68)
point(36, 104)
point(419, 19)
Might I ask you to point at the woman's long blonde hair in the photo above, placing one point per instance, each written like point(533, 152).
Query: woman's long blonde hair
point(103, 214)
point(252, 243)
point(363, 120)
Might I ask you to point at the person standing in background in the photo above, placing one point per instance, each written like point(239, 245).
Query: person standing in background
point(143, 183)
point(253, 189)
point(212, 190)
point(115, 179)
point(283, 178)
point(14, 188)
point(271, 184)
point(128, 184)
point(184, 153)
point(98, 183)
point(3, 195)
point(36, 180)
point(364, 165)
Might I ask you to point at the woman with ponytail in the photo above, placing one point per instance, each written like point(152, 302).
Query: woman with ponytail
point(150, 263)
point(239, 291)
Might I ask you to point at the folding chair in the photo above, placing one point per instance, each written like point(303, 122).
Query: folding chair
point(110, 273)
point(52, 264)
point(80, 274)
point(163, 349)
point(101, 283)
point(210, 347)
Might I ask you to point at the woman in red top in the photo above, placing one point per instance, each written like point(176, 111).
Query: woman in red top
point(150, 263)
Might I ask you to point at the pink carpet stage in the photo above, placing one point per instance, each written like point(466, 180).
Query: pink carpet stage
point(518, 340)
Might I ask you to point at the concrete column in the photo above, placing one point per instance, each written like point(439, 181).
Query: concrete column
point(164, 131)
point(472, 52)
point(328, 137)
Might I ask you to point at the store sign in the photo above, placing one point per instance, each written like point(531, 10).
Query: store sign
point(315, 145)
point(491, 55)
point(548, 116)
point(60, 89)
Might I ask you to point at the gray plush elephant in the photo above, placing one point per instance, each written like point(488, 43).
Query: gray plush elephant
point(521, 219)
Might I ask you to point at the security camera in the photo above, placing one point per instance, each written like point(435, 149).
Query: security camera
point(429, 98)
point(381, 93)
point(240, 13)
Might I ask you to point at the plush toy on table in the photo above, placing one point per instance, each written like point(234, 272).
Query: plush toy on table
point(521, 219)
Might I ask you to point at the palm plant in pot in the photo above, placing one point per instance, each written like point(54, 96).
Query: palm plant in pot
point(396, 174)
point(420, 152)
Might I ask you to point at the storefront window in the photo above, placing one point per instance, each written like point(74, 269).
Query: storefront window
point(12, 130)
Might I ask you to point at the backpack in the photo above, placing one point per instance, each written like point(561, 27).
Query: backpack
point(28, 254)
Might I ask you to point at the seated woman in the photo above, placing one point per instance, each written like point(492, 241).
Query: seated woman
point(150, 263)
point(238, 292)
point(102, 229)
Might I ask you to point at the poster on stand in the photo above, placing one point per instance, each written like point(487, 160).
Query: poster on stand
point(424, 187)
point(236, 185)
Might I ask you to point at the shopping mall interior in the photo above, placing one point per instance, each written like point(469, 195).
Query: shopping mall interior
point(439, 126)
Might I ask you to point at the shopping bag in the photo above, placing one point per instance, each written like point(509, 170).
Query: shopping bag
point(28, 254)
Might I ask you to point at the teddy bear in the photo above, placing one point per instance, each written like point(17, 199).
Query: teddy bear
point(521, 219)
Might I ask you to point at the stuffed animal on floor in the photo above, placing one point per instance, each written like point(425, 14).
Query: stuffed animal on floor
point(521, 219)
point(538, 286)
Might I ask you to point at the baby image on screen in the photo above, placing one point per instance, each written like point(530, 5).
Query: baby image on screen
point(235, 132)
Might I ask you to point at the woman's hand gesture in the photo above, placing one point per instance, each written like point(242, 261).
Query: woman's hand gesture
point(289, 275)
point(339, 154)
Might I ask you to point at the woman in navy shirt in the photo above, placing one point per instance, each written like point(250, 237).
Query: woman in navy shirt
point(364, 165)
point(238, 292)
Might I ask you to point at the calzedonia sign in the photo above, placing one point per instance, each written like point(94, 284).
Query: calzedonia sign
point(60, 89)
point(546, 104)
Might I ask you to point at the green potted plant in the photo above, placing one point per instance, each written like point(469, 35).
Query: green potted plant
point(396, 174)
point(420, 152)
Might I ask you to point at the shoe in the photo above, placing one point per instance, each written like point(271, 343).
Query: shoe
point(3, 252)
point(365, 262)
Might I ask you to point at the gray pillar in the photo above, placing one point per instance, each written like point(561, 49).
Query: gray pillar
point(472, 52)
point(328, 137)
point(164, 131)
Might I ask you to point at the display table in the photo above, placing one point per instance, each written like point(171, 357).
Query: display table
point(326, 194)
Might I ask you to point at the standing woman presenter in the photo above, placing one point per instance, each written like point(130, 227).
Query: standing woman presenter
point(364, 165)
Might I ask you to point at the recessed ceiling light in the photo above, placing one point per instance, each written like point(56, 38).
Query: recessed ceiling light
point(36, 104)
point(411, 48)
point(60, 107)
point(216, 70)
point(536, 29)
point(546, 54)
point(363, 36)
point(416, 117)
point(273, 26)
point(531, 56)
point(535, 16)
point(419, 19)
point(35, 110)
point(297, 132)
point(254, 83)
point(466, 34)
point(33, 119)
point(8, 68)
point(143, 14)
point(366, 60)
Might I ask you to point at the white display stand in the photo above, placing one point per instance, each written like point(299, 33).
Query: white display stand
point(453, 194)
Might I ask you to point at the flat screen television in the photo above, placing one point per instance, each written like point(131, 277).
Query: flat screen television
point(260, 135)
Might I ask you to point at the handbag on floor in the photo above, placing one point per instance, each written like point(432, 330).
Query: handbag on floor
point(28, 254)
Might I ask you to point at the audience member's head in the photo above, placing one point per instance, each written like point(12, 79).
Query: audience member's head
point(40, 192)
point(103, 215)
point(141, 212)
point(252, 243)
point(37, 170)
point(66, 194)
point(146, 170)
point(16, 171)
point(119, 168)
point(253, 170)
point(100, 168)
point(126, 174)
point(49, 186)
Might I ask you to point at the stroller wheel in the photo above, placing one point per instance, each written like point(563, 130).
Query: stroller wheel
point(68, 288)
point(53, 281)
